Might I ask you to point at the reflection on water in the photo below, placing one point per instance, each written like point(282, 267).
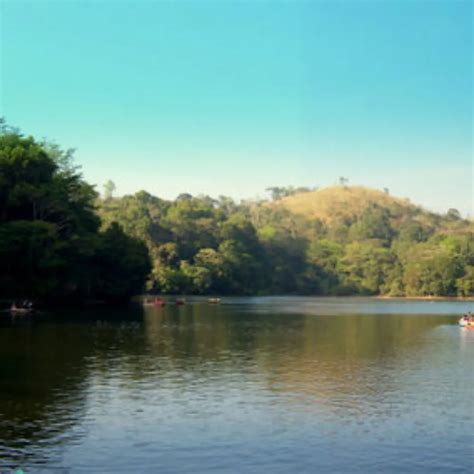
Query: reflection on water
point(259, 385)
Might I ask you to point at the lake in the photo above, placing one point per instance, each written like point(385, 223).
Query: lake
point(254, 385)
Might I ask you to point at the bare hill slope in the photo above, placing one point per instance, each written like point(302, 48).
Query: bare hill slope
point(343, 202)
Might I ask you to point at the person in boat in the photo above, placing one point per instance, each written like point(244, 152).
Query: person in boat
point(27, 304)
point(159, 301)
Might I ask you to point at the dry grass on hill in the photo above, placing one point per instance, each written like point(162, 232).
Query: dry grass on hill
point(339, 202)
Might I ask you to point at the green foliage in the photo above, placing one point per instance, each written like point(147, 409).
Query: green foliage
point(374, 223)
point(434, 267)
point(323, 257)
point(279, 192)
point(123, 264)
point(465, 284)
point(59, 239)
point(364, 266)
point(453, 214)
point(50, 247)
point(199, 245)
point(414, 232)
point(109, 188)
point(32, 258)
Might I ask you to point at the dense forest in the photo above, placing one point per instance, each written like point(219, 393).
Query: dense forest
point(365, 243)
point(60, 239)
point(52, 244)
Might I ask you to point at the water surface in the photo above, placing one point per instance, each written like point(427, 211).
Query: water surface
point(277, 385)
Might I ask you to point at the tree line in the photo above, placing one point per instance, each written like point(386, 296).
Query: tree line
point(52, 244)
point(59, 240)
point(201, 245)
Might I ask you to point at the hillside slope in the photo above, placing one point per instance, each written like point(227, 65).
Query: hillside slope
point(335, 241)
point(343, 202)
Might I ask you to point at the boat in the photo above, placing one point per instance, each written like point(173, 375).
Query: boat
point(23, 309)
point(180, 301)
point(467, 321)
point(155, 302)
point(214, 300)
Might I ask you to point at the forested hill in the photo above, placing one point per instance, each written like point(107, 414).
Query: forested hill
point(341, 240)
point(60, 241)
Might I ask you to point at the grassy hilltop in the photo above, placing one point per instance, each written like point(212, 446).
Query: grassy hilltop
point(348, 204)
point(343, 202)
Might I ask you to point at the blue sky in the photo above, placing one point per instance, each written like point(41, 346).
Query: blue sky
point(224, 97)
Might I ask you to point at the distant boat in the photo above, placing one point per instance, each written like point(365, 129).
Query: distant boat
point(466, 322)
point(180, 301)
point(21, 310)
point(214, 300)
point(25, 308)
point(154, 302)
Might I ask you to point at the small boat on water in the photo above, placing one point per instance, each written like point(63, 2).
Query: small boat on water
point(467, 321)
point(180, 301)
point(214, 300)
point(155, 302)
point(21, 310)
point(25, 307)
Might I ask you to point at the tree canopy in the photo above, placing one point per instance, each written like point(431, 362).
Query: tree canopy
point(50, 243)
point(200, 245)
point(60, 240)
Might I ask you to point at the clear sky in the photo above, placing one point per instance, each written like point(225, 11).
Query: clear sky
point(225, 97)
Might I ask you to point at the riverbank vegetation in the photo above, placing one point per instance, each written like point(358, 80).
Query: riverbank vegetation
point(334, 241)
point(60, 240)
point(52, 246)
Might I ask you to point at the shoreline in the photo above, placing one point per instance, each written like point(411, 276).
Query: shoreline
point(425, 298)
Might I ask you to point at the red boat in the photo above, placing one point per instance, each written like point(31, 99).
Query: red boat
point(155, 302)
point(159, 302)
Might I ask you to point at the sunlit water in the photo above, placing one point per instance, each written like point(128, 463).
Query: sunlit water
point(256, 385)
